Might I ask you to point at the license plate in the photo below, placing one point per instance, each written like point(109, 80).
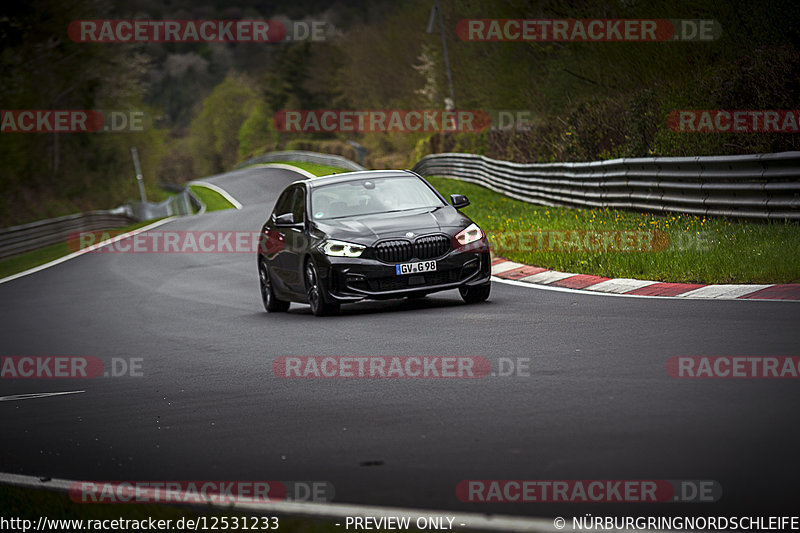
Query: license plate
point(415, 268)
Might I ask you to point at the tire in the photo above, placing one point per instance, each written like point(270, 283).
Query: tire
point(271, 303)
point(315, 294)
point(477, 294)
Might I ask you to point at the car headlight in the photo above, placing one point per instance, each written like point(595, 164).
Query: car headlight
point(341, 248)
point(469, 234)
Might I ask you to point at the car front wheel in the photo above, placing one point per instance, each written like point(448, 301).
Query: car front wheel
point(316, 298)
point(271, 303)
point(473, 295)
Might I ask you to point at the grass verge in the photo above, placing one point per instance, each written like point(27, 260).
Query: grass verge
point(214, 201)
point(22, 262)
point(671, 248)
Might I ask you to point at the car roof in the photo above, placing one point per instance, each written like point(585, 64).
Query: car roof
point(351, 176)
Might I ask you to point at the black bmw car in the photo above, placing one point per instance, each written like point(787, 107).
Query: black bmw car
point(369, 235)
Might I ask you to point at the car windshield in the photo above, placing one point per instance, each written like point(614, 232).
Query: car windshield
point(372, 196)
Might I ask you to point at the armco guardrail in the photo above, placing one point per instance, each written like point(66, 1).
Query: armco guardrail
point(304, 157)
point(765, 186)
point(27, 237)
point(179, 204)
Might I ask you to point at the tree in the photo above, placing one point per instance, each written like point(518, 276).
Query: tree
point(257, 132)
point(214, 133)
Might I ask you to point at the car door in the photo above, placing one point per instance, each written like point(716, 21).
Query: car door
point(296, 241)
point(275, 244)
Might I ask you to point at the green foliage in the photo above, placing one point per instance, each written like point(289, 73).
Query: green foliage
point(285, 87)
point(52, 174)
point(212, 104)
point(214, 132)
point(177, 165)
point(766, 78)
point(257, 133)
point(589, 100)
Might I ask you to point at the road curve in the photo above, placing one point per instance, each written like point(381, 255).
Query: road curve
point(598, 403)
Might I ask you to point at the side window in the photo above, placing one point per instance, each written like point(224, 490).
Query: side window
point(299, 205)
point(284, 203)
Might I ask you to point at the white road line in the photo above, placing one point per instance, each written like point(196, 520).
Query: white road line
point(73, 255)
point(234, 201)
point(547, 277)
point(722, 292)
point(619, 285)
point(340, 511)
point(299, 170)
point(219, 190)
point(33, 395)
point(505, 266)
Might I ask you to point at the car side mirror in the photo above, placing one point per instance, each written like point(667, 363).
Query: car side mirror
point(459, 200)
point(286, 219)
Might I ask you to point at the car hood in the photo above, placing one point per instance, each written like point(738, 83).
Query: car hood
point(368, 229)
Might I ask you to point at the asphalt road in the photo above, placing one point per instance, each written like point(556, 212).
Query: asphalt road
point(598, 403)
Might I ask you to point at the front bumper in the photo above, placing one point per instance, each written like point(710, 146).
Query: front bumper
point(354, 279)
